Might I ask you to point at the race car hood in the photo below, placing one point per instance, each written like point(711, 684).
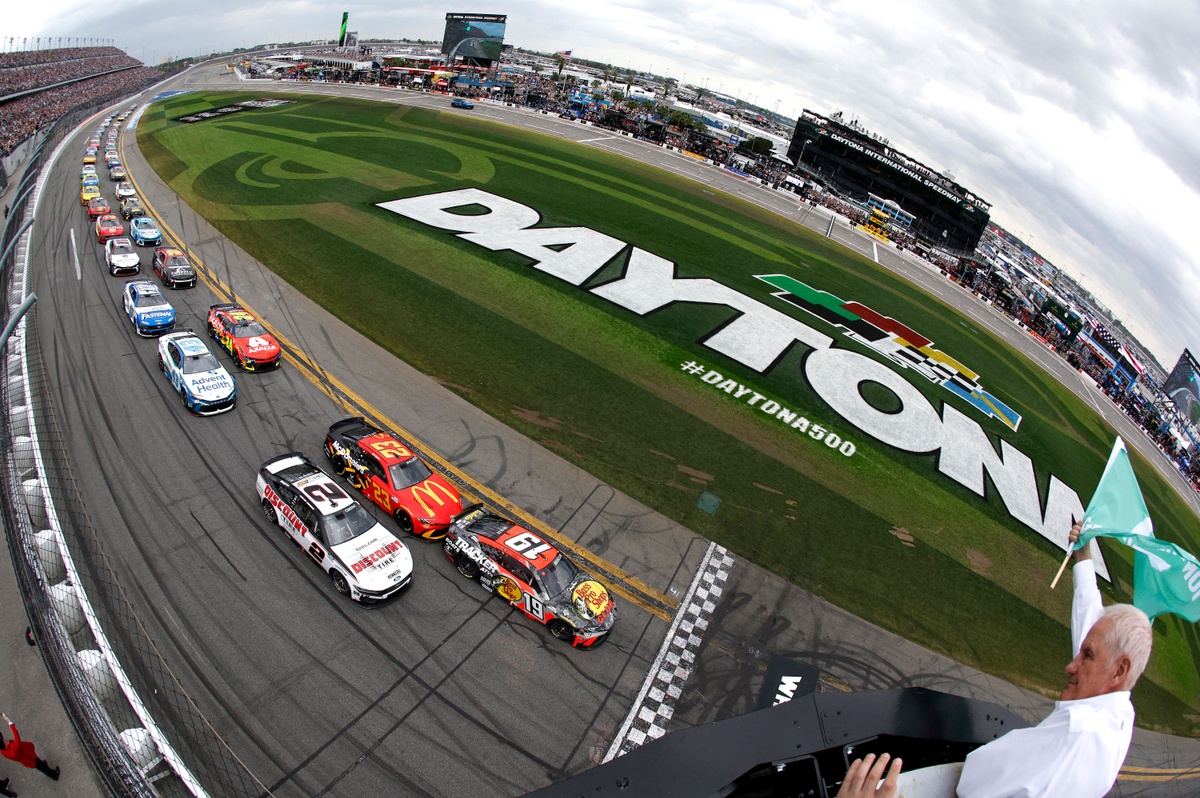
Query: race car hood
point(160, 313)
point(179, 270)
point(123, 259)
point(588, 601)
point(432, 500)
point(377, 559)
point(260, 348)
point(209, 386)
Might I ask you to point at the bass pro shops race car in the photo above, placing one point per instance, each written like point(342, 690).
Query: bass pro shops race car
point(364, 560)
point(532, 575)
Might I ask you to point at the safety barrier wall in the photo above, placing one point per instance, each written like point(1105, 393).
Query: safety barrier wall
point(144, 734)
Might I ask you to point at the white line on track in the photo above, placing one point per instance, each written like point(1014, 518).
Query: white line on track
point(75, 255)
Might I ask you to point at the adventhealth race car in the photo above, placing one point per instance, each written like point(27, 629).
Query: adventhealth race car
point(146, 307)
point(144, 231)
point(201, 382)
point(389, 474)
point(364, 560)
point(241, 335)
point(172, 267)
point(530, 574)
point(120, 256)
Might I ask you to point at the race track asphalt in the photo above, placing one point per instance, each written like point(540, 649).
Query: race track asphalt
point(446, 691)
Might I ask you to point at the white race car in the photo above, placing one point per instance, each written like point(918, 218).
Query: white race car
point(363, 559)
point(196, 375)
point(121, 257)
point(125, 191)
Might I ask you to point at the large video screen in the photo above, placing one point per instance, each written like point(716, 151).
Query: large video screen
point(1183, 386)
point(479, 36)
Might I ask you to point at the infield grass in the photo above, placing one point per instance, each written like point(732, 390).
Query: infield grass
point(880, 533)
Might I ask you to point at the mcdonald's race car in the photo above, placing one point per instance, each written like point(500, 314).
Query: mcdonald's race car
point(363, 560)
point(532, 575)
point(241, 335)
point(391, 475)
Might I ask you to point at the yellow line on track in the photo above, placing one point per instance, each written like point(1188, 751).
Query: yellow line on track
point(628, 587)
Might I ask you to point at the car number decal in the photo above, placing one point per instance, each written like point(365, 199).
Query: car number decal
point(528, 545)
point(532, 605)
point(392, 449)
point(324, 492)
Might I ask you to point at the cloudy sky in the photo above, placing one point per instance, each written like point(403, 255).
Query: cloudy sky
point(1080, 123)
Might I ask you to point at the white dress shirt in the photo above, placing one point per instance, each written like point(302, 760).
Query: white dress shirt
point(1077, 751)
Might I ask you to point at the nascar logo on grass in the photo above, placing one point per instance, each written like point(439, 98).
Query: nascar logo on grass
point(758, 337)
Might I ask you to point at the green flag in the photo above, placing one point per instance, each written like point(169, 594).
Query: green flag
point(1165, 577)
point(1117, 508)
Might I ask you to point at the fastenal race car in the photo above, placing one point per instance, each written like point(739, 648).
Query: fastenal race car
point(389, 474)
point(146, 307)
point(241, 335)
point(120, 256)
point(364, 560)
point(201, 382)
point(530, 574)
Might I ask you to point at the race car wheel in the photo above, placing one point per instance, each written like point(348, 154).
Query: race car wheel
point(212, 332)
point(404, 520)
point(561, 630)
point(466, 566)
point(340, 584)
point(244, 362)
point(269, 512)
point(161, 365)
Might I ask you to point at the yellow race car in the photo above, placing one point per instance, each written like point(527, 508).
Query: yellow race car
point(88, 193)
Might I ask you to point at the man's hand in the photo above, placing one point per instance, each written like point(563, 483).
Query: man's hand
point(1086, 552)
point(865, 773)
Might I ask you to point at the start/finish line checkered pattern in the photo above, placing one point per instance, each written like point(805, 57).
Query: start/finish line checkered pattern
point(651, 712)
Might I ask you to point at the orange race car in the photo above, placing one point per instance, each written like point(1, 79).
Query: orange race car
point(392, 476)
point(241, 335)
point(108, 226)
point(532, 575)
point(97, 207)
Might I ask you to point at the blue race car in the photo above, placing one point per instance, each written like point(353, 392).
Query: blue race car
point(459, 102)
point(200, 380)
point(150, 312)
point(91, 180)
point(144, 231)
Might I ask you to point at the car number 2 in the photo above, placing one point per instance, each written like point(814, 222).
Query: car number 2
point(532, 605)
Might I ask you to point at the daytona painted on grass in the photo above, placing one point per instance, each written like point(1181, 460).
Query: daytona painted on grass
point(569, 295)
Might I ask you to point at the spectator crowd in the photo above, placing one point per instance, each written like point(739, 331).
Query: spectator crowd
point(99, 74)
point(72, 63)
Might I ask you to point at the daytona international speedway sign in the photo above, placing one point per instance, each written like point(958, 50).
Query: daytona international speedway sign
point(760, 335)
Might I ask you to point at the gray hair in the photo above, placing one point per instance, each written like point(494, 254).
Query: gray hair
point(1129, 634)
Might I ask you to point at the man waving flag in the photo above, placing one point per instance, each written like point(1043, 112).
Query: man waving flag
point(1165, 577)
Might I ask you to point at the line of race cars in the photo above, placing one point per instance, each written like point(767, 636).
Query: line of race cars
point(363, 559)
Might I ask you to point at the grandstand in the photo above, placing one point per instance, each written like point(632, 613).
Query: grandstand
point(859, 164)
point(39, 86)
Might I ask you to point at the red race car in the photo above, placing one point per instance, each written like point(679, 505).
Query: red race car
point(109, 226)
point(241, 335)
point(532, 575)
point(98, 207)
point(390, 475)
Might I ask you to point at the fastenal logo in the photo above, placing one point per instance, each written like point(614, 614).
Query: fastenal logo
point(895, 341)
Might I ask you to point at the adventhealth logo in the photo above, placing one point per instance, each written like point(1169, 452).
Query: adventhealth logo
point(758, 338)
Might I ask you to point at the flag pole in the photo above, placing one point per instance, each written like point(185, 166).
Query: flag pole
point(1061, 568)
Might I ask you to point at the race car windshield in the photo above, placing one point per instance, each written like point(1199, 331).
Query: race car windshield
point(248, 330)
point(346, 524)
point(196, 364)
point(559, 575)
point(122, 249)
point(151, 300)
point(177, 263)
point(410, 472)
